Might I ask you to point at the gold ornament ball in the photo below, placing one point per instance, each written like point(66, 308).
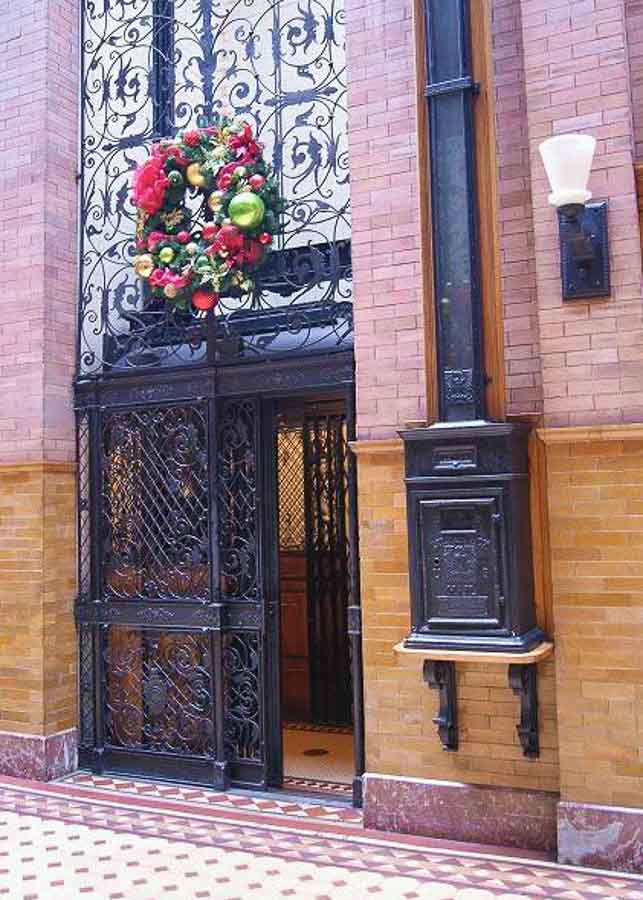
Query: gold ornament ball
point(166, 255)
point(143, 265)
point(170, 291)
point(214, 201)
point(194, 175)
point(191, 249)
point(247, 210)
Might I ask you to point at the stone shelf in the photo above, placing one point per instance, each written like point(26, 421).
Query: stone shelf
point(539, 653)
point(439, 674)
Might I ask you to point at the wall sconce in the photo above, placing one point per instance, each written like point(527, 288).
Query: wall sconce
point(584, 249)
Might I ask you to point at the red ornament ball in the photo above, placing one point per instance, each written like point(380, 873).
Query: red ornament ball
point(265, 238)
point(183, 237)
point(210, 231)
point(256, 182)
point(204, 300)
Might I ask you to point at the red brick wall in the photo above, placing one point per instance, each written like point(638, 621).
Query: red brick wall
point(634, 22)
point(389, 327)
point(577, 79)
point(518, 267)
point(38, 114)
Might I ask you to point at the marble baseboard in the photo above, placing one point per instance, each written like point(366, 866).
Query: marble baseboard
point(506, 817)
point(38, 758)
point(603, 837)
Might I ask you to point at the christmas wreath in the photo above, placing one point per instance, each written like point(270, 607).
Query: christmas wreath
point(192, 263)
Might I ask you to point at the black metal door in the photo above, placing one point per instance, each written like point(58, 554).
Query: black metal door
point(172, 615)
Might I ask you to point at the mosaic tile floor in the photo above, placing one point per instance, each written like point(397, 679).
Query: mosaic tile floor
point(72, 840)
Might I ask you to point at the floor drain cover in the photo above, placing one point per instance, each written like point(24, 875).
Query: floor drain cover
point(316, 751)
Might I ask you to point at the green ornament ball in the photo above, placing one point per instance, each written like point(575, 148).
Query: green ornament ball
point(175, 178)
point(247, 210)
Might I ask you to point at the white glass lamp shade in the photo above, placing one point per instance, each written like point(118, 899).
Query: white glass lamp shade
point(568, 160)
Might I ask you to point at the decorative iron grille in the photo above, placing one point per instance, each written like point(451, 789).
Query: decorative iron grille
point(153, 67)
point(237, 500)
point(84, 499)
point(86, 686)
point(242, 690)
point(329, 585)
point(155, 500)
point(158, 692)
point(290, 468)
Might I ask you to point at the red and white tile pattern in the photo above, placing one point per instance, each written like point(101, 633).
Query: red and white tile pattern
point(70, 840)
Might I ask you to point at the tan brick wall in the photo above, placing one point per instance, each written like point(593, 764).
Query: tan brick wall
point(37, 562)
point(401, 738)
point(596, 509)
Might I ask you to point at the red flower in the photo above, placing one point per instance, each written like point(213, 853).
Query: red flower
point(160, 277)
point(224, 180)
point(192, 138)
point(154, 238)
point(231, 238)
point(180, 281)
point(177, 154)
point(209, 231)
point(150, 185)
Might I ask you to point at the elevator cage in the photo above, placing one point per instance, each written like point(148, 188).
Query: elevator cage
point(177, 606)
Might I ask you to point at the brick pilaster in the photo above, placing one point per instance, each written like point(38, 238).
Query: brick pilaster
point(38, 135)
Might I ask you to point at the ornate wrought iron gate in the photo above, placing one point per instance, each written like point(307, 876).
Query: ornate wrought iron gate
point(178, 602)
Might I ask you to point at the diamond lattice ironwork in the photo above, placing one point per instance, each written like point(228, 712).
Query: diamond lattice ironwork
point(155, 502)
point(290, 467)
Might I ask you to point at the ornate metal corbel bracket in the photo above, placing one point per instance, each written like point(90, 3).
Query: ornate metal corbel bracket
point(440, 675)
point(523, 682)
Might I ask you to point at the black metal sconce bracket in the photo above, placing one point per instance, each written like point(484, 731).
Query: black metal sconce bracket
point(584, 251)
point(440, 675)
point(523, 682)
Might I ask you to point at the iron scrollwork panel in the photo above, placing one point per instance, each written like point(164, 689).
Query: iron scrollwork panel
point(155, 503)
point(242, 678)
point(152, 67)
point(237, 424)
point(158, 691)
point(240, 577)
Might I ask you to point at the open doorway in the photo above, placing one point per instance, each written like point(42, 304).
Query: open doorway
point(314, 592)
